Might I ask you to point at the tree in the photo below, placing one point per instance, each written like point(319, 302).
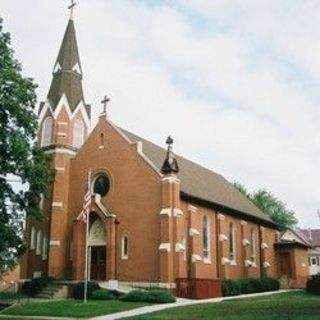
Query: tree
point(20, 157)
point(270, 205)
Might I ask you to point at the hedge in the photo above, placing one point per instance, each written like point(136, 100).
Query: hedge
point(249, 285)
point(152, 296)
point(78, 292)
point(313, 284)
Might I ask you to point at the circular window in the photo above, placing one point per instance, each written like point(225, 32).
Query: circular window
point(101, 185)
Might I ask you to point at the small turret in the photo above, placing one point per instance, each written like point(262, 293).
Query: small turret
point(170, 164)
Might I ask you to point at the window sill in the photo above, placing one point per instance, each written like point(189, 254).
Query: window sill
point(124, 258)
point(207, 261)
point(233, 263)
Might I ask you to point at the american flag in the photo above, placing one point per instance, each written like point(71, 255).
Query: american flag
point(86, 199)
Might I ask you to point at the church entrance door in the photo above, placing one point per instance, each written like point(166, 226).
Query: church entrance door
point(98, 263)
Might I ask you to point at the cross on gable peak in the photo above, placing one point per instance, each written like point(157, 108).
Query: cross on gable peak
point(104, 102)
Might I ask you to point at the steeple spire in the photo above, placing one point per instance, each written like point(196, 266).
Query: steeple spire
point(67, 73)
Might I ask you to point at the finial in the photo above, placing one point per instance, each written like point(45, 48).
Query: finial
point(70, 7)
point(170, 164)
point(105, 101)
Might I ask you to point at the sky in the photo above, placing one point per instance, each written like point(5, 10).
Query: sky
point(236, 83)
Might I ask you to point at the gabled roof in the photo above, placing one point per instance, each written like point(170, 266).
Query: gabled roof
point(67, 74)
point(313, 236)
point(201, 183)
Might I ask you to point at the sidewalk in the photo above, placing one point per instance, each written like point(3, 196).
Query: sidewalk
point(180, 303)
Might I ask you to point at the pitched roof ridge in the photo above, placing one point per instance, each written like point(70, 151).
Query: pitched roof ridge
point(200, 182)
point(176, 154)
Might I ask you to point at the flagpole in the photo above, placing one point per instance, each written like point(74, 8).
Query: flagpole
point(85, 296)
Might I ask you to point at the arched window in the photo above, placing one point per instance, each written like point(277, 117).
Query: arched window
point(44, 248)
point(206, 238)
point(46, 138)
point(124, 248)
point(232, 242)
point(253, 240)
point(39, 243)
point(78, 133)
point(33, 238)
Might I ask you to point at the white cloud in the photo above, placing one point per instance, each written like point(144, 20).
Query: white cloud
point(235, 82)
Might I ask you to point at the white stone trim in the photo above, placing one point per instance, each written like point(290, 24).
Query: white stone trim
point(195, 258)
point(61, 151)
point(57, 204)
point(59, 169)
point(170, 179)
point(179, 247)
point(57, 67)
point(192, 208)
point(266, 264)
point(245, 242)
point(177, 212)
point(249, 263)
point(165, 212)
point(76, 68)
point(225, 261)
point(193, 232)
point(55, 243)
point(166, 247)
point(243, 223)
point(61, 134)
point(262, 228)
point(222, 237)
point(105, 211)
point(62, 123)
point(139, 147)
point(221, 216)
point(264, 245)
point(63, 102)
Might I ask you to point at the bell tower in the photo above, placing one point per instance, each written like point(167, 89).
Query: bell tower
point(64, 120)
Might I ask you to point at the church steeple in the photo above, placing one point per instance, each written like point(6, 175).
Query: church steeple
point(67, 72)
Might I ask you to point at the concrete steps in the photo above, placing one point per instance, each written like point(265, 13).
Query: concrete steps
point(53, 291)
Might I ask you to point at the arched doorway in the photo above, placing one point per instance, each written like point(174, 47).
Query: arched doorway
point(97, 248)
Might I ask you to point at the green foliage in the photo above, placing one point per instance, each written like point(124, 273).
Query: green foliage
point(270, 205)
point(249, 285)
point(31, 288)
point(102, 294)
point(313, 284)
point(152, 296)
point(230, 288)
point(78, 292)
point(20, 157)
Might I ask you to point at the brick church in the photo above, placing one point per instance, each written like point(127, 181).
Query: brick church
point(155, 217)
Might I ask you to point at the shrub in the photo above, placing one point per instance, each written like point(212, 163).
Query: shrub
point(152, 296)
point(31, 288)
point(78, 292)
point(102, 294)
point(253, 285)
point(247, 285)
point(270, 284)
point(230, 288)
point(313, 284)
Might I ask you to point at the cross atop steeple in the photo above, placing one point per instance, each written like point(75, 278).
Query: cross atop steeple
point(104, 102)
point(71, 7)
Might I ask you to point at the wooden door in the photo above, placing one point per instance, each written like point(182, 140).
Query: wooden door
point(98, 263)
point(285, 264)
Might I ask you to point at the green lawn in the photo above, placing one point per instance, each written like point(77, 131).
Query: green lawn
point(285, 306)
point(71, 308)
